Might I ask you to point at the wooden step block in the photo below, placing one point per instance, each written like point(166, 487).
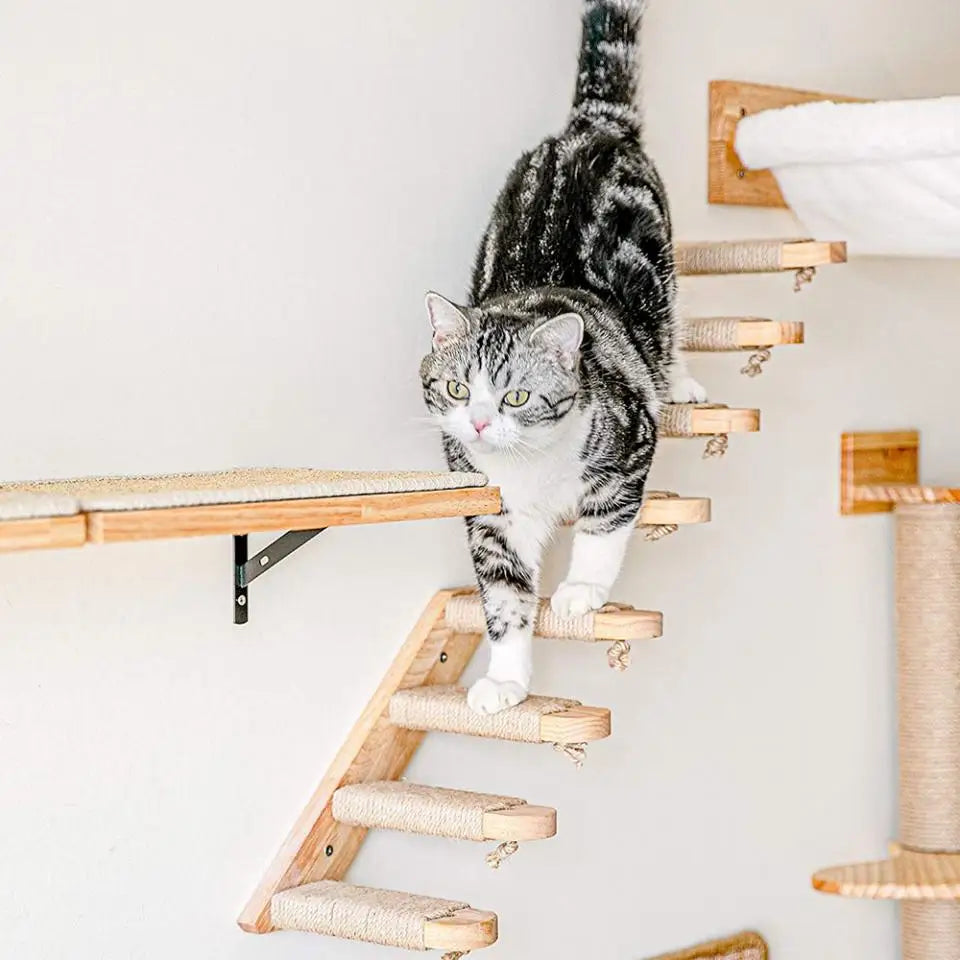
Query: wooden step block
point(715, 334)
point(43, 533)
point(910, 875)
point(756, 256)
point(464, 613)
point(704, 419)
point(385, 917)
point(662, 509)
point(439, 812)
point(536, 720)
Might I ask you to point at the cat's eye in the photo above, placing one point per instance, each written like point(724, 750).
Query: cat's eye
point(458, 390)
point(516, 398)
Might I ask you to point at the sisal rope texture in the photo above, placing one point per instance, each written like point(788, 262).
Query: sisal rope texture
point(717, 334)
point(746, 256)
point(676, 420)
point(336, 909)
point(231, 486)
point(928, 698)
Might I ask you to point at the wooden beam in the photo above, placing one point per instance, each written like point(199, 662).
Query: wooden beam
point(43, 533)
point(728, 181)
point(876, 459)
point(237, 518)
point(374, 750)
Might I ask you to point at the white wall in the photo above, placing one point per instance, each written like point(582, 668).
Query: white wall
point(216, 223)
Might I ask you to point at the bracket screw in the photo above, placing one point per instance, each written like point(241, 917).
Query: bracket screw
point(741, 173)
point(329, 850)
point(443, 657)
point(264, 561)
point(241, 601)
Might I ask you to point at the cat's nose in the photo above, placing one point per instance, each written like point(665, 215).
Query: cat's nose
point(480, 425)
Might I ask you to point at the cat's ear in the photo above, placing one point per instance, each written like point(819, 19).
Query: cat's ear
point(447, 319)
point(561, 336)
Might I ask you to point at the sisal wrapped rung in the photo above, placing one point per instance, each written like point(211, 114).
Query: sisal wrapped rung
point(385, 917)
point(464, 613)
point(911, 875)
point(756, 256)
point(717, 334)
point(536, 720)
point(439, 812)
point(704, 419)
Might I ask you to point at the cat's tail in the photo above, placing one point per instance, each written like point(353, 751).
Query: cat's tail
point(609, 58)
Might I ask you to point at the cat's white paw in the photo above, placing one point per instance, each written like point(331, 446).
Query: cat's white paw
point(492, 696)
point(576, 599)
point(687, 390)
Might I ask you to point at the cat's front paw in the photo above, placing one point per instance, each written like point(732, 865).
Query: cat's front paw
point(687, 390)
point(576, 599)
point(492, 696)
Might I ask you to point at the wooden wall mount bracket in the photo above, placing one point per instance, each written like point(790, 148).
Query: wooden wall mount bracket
point(728, 181)
point(320, 848)
point(878, 471)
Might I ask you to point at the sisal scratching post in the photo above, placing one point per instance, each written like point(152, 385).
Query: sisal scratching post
point(928, 697)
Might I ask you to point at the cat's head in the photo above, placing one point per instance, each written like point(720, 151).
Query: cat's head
point(499, 383)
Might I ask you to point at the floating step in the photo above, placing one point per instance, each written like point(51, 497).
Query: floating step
point(536, 720)
point(716, 334)
point(757, 256)
point(385, 917)
point(715, 421)
point(662, 509)
point(438, 812)
point(464, 613)
point(910, 875)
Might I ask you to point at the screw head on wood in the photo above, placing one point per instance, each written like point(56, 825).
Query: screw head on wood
point(741, 173)
point(443, 657)
point(329, 850)
point(264, 561)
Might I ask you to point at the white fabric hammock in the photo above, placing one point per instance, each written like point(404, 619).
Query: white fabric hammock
point(883, 176)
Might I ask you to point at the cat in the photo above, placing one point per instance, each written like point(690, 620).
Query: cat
point(551, 378)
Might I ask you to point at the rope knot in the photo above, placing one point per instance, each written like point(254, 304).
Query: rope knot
point(455, 955)
point(716, 446)
point(804, 275)
point(577, 752)
point(755, 364)
point(618, 656)
point(502, 852)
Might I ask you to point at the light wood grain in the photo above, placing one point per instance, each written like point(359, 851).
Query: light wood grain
point(575, 725)
point(911, 875)
point(871, 459)
point(792, 255)
point(522, 823)
point(236, 518)
point(466, 930)
point(751, 332)
point(43, 533)
point(374, 750)
point(711, 421)
point(728, 181)
point(660, 511)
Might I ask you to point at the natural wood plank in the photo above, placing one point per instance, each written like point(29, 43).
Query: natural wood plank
point(374, 750)
point(750, 332)
point(575, 725)
point(867, 459)
point(523, 823)
point(728, 181)
point(236, 518)
point(721, 257)
point(43, 533)
point(811, 253)
point(909, 875)
point(659, 510)
point(711, 421)
point(743, 946)
point(466, 930)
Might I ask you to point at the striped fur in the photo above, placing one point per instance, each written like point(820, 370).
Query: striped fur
point(581, 229)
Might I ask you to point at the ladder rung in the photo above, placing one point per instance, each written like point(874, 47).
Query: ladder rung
point(714, 334)
point(756, 256)
point(702, 419)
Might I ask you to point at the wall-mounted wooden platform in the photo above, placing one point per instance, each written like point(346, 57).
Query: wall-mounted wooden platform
point(704, 420)
point(663, 509)
point(878, 471)
point(728, 181)
point(709, 334)
point(910, 875)
point(756, 256)
point(43, 533)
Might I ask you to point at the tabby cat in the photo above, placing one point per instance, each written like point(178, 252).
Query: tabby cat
point(551, 378)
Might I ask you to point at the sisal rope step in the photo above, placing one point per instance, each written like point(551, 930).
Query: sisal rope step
point(385, 917)
point(614, 622)
point(911, 875)
point(536, 720)
point(719, 334)
point(712, 420)
point(439, 812)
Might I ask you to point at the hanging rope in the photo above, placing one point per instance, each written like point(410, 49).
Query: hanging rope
point(657, 531)
point(618, 656)
point(755, 364)
point(506, 849)
point(455, 955)
point(804, 275)
point(577, 752)
point(716, 446)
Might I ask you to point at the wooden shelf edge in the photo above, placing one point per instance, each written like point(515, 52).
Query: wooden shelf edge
point(43, 533)
point(523, 823)
point(575, 725)
point(906, 875)
point(885, 459)
point(466, 930)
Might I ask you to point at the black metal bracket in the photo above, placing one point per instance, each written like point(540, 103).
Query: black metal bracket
point(246, 569)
